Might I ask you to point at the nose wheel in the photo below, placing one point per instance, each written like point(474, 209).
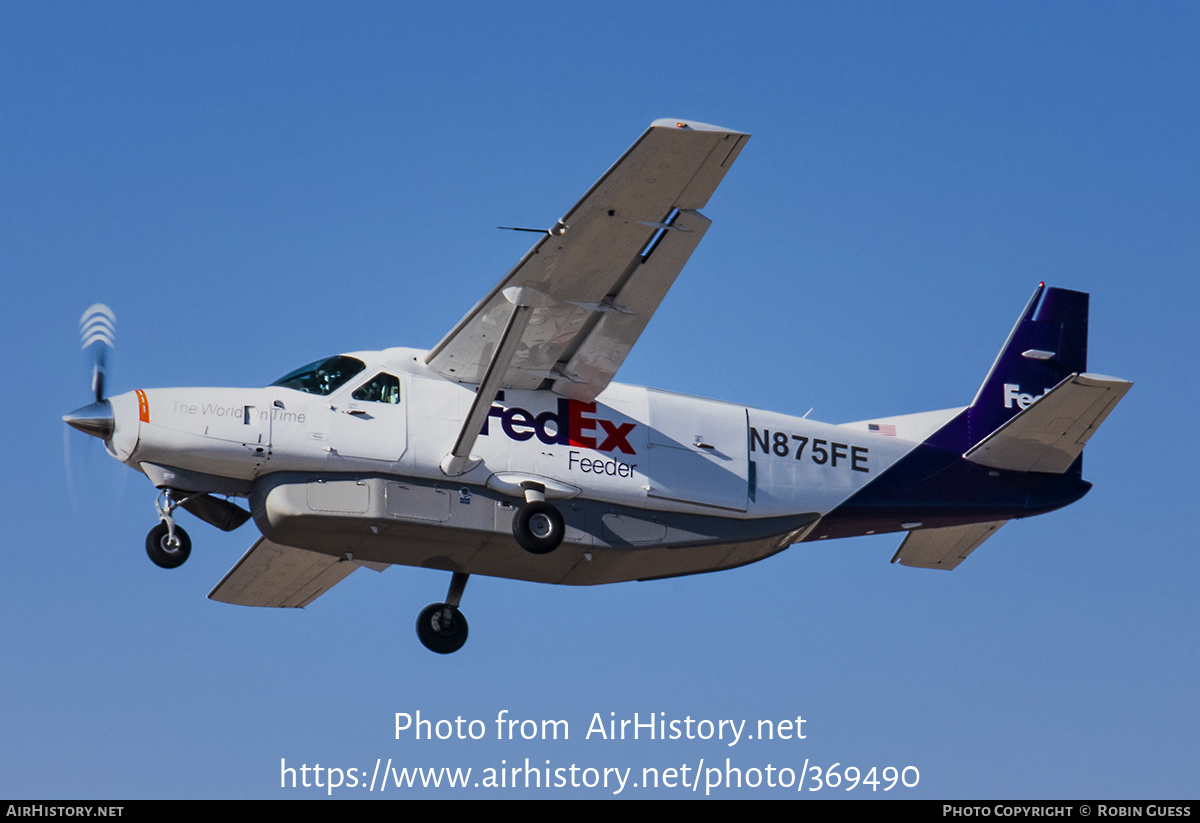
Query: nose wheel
point(166, 550)
point(441, 627)
point(167, 544)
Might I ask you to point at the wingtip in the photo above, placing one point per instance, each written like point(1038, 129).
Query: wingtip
point(690, 125)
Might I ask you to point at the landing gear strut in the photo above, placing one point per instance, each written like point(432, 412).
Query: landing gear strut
point(167, 544)
point(538, 525)
point(441, 627)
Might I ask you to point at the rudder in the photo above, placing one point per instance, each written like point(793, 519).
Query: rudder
point(1048, 343)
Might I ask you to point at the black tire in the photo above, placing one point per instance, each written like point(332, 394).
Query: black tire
point(538, 527)
point(439, 635)
point(163, 555)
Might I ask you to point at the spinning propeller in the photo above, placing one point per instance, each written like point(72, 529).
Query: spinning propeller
point(97, 332)
point(167, 544)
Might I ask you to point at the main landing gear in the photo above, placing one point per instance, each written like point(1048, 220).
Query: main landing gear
point(538, 525)
point(167, 544)
point(441, 627)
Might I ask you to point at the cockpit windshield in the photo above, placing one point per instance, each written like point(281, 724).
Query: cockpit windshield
point(323, 376)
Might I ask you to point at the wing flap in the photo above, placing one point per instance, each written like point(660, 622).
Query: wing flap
point(1050, 434)
point(600, 349)
point(613, 255)
point(271, 574)
point(943, 548)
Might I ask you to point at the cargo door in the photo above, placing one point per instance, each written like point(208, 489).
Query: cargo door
point(697, 451)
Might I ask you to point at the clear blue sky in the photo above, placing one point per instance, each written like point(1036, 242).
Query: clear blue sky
point(252, 186)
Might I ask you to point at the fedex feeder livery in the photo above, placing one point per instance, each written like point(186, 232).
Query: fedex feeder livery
point(508, 451)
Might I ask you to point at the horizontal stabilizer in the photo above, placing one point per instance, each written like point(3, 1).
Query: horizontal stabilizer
point(943, 548)
point(1050, 434)
point(281, 576)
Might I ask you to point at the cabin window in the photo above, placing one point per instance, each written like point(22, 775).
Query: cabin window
point(383, 388)
point(322, 377)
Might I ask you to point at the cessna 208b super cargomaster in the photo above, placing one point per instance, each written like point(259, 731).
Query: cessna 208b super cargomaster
point(508, 451)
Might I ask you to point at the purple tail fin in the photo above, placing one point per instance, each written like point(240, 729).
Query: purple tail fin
point(1048, 343)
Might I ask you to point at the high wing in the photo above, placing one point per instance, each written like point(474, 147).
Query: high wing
point(569, 312)
point(271, 574)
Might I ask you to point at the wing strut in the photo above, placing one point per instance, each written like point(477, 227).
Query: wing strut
point(459, 460)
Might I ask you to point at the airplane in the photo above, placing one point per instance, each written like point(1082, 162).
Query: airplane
point(507, 450)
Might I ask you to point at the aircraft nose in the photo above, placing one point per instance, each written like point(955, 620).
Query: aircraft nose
point(95, 419)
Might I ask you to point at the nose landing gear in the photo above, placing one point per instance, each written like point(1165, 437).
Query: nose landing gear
point(167, 544)
point(167, 550)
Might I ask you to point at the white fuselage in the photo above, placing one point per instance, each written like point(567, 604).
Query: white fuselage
point(633, 446)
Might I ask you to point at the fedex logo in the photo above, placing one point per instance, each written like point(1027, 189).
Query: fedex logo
point(570, 424)
point(1012, 394)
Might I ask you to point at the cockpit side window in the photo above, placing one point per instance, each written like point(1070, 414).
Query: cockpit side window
point(383, 388)
point(322, 377)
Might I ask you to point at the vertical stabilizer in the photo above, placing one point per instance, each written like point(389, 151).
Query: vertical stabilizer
point(1048, 343)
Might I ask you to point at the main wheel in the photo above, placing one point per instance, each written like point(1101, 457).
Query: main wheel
point(162, 553)
point(538, 527)
point(441, 628)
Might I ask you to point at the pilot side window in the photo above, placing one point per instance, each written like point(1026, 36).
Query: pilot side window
point(323, 376)
point(383, 388)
